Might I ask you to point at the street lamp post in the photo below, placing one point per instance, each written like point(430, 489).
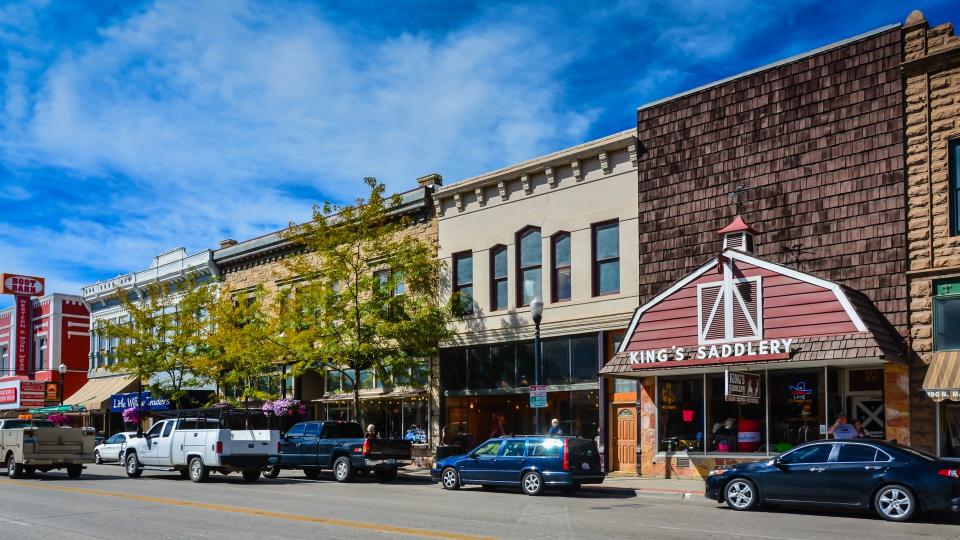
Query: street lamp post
point(536, 311)
point(62, 368)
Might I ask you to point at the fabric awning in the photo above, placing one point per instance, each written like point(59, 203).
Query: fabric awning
point(97, 391)
point(943, 377)
point(372, 397)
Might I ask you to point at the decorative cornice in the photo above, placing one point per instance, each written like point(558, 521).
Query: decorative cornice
point(632, 149)
point(575, 167)
point(480, 200)
point(551, 179)
point(458, 201)
point(604, 163)
point(502, 188)
point(525, 182)
point(437, 206)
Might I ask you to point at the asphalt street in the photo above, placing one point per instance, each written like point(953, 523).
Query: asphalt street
point(104, 503)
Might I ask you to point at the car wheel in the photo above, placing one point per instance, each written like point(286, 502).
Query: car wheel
point(198, 471)
point(532, 483)
point(741, 494)
point(450, 479)
point(272, 472)
point(97, 459)
point(251, 476)
point(342, 469)
point(74, 471)
point(134, 470)
point(309, 472)
point(13, 468)
point(895, 503)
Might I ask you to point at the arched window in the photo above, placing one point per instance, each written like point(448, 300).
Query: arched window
point(529, 266)
point(498, 278)
point(560, 267)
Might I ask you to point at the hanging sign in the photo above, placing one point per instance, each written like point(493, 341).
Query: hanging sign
point(742, 387)
point(538, 396)
point(22, 285)
point(22, 331)
point(119, 402)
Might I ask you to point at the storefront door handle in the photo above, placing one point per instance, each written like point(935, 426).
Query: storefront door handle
point(817, 469)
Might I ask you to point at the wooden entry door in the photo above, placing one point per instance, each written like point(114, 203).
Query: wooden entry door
point(625, 419)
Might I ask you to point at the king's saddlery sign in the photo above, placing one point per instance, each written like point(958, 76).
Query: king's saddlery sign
point(750, 350)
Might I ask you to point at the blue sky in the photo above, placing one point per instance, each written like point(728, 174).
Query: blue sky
point(130, 128)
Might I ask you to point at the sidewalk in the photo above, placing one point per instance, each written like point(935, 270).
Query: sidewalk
point(683, 491)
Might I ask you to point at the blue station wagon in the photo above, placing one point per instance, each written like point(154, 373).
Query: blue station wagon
point(532, 463)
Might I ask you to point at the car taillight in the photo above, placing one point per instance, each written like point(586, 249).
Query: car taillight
point(566, 454)
point(952, 473)
point(219, 448)
point(366, 446)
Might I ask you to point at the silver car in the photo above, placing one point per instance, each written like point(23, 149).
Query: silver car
point(113, 448)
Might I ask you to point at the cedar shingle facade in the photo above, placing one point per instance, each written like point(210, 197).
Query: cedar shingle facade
point(817, 141)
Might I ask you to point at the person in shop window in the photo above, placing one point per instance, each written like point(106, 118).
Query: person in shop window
point(555, 430)
point(724, 436)
point(841, 430)
point(861, 433)
point(496, 427)
point(371, 432)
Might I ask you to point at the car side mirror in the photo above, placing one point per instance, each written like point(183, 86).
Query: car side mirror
point(778, 462)
point(471, 455)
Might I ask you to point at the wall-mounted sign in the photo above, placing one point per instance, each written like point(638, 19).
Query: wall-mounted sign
point(119, 402)
point(538, 396)
point(762, 348)
point(742, 387)
point(22, 285)
point(53, 392)
point(9, 396)
point(24, 313)
point(18, 394)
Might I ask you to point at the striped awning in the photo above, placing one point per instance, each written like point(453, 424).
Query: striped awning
point(943, 377)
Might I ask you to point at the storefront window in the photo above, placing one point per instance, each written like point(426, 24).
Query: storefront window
point(556, 361)
point(796, 407)
point(525, 363)
point(503, 366)
point(453, 369)
point(478, 366)
point(734, 427)
point(583, 359)
point(680, 408)
point(950, 433)
point(946, 318)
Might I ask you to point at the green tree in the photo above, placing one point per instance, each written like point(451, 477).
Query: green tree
point(368, 292)
point(162, 333)
point(242, 345)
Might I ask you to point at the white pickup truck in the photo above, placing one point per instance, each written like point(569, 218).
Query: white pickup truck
point(27, 446)
point(197, 442)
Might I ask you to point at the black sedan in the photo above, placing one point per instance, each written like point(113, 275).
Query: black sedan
point(895, 481)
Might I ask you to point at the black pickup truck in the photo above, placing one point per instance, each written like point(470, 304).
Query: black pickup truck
point(342, 447)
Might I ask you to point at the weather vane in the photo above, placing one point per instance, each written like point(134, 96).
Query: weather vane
point(737, 195)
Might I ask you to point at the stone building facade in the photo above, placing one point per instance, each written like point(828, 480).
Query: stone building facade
point(931, 73)
point(260, 261)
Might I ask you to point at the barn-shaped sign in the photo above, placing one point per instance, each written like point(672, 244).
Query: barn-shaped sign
point(739, 308)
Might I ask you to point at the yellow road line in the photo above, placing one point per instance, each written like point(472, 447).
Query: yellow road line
point(255, 512)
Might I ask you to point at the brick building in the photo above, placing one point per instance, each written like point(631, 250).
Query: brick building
point(809, 150)
point(390, 405)
point(58, 335)
point(931, 71)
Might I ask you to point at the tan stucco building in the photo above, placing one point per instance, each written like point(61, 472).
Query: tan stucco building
point(562, 227)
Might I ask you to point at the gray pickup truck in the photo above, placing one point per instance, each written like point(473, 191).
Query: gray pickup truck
point(342, 447)
point(28, 446)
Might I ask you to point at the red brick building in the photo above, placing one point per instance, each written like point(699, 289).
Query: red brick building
point(59, 334)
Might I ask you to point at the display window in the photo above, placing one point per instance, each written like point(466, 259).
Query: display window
point(734, 427)
point(680, 413)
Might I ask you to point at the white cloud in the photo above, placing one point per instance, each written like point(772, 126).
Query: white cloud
point(224, 116)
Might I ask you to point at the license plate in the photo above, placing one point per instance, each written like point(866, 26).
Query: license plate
point(585, 465)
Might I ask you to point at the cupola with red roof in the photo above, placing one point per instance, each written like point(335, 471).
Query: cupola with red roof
point(738, 235)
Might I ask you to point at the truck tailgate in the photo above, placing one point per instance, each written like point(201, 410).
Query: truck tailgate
point(239, 442)
point(389, 449)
